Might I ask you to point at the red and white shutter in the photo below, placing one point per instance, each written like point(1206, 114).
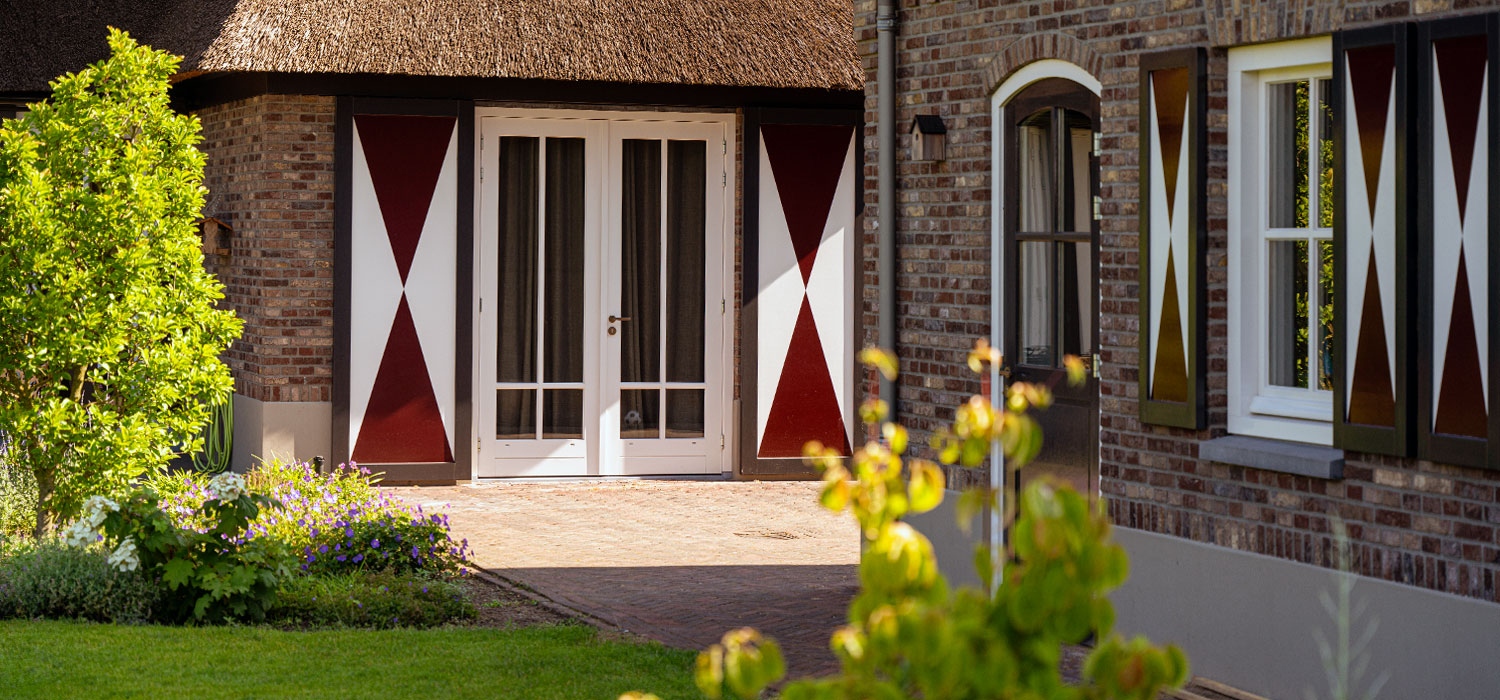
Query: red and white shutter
point(805, 301)
point(402, 293)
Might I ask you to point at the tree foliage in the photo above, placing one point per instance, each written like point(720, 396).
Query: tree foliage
point(110, 333)
point(912, 636)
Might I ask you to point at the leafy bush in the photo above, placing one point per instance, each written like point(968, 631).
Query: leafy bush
point(17, 499)
point(370, 599)
point(216, 573)
point(48, 579)
point(401, 543)
point(911, 636)
point(110, 329)
point(338, 522)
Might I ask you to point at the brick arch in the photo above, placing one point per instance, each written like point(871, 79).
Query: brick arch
point(1036, 47)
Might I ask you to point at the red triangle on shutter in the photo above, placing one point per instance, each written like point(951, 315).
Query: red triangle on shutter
point(402, 422)
point(405, 156)
point(806, 163)
point(806, 406)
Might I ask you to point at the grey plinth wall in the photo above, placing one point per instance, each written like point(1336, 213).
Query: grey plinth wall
point(1248, 620)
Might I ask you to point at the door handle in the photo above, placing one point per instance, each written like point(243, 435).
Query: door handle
point(614, 318)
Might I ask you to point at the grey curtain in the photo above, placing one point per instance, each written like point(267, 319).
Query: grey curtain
point(516, 296)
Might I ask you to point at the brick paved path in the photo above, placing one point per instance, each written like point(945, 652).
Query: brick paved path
point(676, 561)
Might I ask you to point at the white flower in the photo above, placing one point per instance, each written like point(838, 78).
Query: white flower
point(124, 557)
point(96, 509)
point(80, 535)
point(85, 531)
point(227, 487)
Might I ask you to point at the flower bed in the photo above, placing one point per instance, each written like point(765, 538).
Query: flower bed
point(282, 543)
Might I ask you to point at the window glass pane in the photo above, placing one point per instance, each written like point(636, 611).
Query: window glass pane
point(562, 413)
point(1037, 182)
point(515, 414)
point(1286, 313)
point(1035, 303)
point(563, 300)
point(1079, 198)
point(640, 250)
point(1077, 298)
point(1325, 315)
point(640, 415)
point(684, 413)
point(686, 218)
point(1325, 153)
point(515, 298)
point(1287, 154)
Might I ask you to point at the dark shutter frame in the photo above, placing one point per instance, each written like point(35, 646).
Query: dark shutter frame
point(1173, 387)
point(1372, 414)
point(1455, 419)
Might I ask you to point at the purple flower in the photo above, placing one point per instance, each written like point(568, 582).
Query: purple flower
point(359, 558)
point(323, 549)
point(375, 543)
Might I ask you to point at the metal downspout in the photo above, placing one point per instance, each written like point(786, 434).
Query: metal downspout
point(885, 136)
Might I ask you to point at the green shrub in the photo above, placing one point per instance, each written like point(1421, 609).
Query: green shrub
point(370, 599)
point(110, 328)
point(222, 572)
point(403, 543)
point(17, 499)
point(909, 634)
point(337, 522)
point(48, 579)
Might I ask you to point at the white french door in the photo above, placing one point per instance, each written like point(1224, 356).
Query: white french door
point(600, 282)
point(662, 376)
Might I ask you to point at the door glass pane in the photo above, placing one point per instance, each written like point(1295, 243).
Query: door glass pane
point(1286, 313)
point(564, 254)
point(562, 413)
point(1037, 181)
point(1077, 298)
point(640, 251)
point(684, 413)
point(515, 414)
point(1287, 154)
point(1078, 200)
point(640, 415)
point(1038, 347)
point(1325, 154)
point(515, 299)
point(1325, 314)
point(686, 219)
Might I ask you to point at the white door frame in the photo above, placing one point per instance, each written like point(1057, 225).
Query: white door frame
point(601, 451)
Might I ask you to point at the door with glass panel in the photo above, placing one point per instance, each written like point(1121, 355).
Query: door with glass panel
point(1051, 269)
point(539, 248)
point(664, 301)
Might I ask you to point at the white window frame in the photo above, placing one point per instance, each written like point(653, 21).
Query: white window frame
point(1256, 407)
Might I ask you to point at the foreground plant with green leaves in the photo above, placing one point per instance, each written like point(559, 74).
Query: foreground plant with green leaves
point(110, 330)
point(909, 634)
point(222, 572)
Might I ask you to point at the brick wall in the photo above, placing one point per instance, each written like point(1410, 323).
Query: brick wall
point(270, 175)
point(1415, 522)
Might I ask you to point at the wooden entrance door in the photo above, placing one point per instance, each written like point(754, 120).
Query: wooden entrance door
point(1051, 268)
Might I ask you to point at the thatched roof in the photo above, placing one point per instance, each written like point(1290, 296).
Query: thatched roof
point(764, 43)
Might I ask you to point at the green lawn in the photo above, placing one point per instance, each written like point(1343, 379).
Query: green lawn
point(67, 659)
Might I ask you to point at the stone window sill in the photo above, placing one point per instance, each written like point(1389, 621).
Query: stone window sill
point(1275, 455)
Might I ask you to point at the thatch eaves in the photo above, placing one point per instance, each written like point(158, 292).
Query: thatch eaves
point(759, 43)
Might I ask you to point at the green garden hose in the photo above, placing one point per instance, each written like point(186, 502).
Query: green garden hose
point(218, 439)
